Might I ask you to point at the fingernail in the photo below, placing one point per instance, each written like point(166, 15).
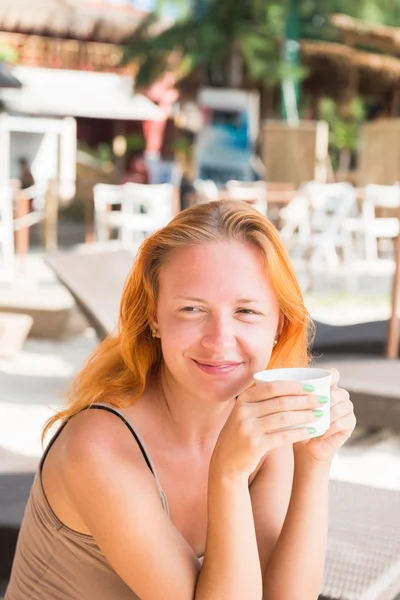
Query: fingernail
point(311, 430)
point(307, 387)
point(323, 399)
point(317, 412)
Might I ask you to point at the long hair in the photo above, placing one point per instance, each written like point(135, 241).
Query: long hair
point(119, 369)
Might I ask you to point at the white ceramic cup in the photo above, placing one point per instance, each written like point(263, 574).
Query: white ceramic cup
point(320, 379)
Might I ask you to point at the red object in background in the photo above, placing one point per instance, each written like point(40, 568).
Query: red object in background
point(164, 94)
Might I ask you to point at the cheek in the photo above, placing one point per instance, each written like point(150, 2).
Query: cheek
point(259, 344)
point(177, 336)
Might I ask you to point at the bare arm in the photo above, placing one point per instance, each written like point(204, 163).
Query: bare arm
point(295, 569)
point(232, 567)
point(290, 515)
point(270, 495)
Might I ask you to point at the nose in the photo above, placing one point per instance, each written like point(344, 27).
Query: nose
point(219, 335)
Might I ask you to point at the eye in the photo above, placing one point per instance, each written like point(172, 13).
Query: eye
point(189, 309)
point(248, 311)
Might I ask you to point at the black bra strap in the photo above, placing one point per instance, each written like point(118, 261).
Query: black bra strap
point(107, 408)
point(129, 426)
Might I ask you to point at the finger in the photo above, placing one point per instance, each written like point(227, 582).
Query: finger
point(285, 420)
point(344, 426)
point(284, 404)
point(274, 389)
point(335, 376)
point(339, 395)
point(341, 409)
point(288, 436)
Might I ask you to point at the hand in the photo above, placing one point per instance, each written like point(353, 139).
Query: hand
point(259, 423)
point(343, 422)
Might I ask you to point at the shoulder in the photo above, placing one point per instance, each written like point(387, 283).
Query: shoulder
point(96, 444)
point(95, 428)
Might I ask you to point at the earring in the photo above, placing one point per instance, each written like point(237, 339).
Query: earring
point(275, 342)
point(153, 333)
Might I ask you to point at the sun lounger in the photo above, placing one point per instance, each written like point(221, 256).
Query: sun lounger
point(95, 279)
point(361, 338)
point(374, 384)
point(363, 557)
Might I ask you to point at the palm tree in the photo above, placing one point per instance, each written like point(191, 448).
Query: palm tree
point(236, 43)
point(227, 40)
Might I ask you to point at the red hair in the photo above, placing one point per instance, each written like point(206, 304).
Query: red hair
point(123, 363)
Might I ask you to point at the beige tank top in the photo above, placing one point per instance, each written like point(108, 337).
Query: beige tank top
point(53, 562)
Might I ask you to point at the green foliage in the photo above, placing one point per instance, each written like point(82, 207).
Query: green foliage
point(135, 143)
point(209, 32)
point(103, 152)
point(7, 54)
point(344, 125)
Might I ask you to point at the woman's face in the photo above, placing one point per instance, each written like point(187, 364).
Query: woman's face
point(217, 318)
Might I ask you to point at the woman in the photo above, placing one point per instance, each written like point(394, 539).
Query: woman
point(177, 484)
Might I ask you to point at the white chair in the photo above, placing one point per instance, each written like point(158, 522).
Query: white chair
point(206, 189)
point(37, 194)
point(330, 205)
point(6, 234)
point(295, 231)
point(371, 227)
point(142, 209)
point(250, 191)
point(145, 208)
point(107, 196)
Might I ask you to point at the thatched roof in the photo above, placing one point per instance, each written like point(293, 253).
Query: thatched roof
point(370, 35)
point(387, 67)
point(77, 19)
point(335, 66)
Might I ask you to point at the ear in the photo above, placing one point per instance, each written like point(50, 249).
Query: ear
point(153, 323)
point(280, 325)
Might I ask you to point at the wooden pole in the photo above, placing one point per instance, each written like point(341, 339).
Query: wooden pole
point(392, 349)
point(21, 236)
point(51, 219)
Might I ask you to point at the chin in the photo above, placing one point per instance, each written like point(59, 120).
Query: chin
point(222, 391)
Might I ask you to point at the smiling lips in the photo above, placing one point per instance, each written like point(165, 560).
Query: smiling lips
point(218, 368)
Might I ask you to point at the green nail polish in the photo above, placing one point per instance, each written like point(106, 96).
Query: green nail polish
point(307, 387)
point(323, 399)
point(311, 430)
point(317, 412)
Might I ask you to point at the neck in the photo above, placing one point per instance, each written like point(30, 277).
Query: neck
point(189, 420)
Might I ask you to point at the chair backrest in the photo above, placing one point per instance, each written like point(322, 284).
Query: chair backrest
point(331, 204)
point(207, 189)
point(154, 200)
point(242, 190)
point(296, 220)
point(105, 194)
point(255, 191)
point(380, 196)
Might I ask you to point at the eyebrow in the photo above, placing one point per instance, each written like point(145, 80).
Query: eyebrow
point(203, 300)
